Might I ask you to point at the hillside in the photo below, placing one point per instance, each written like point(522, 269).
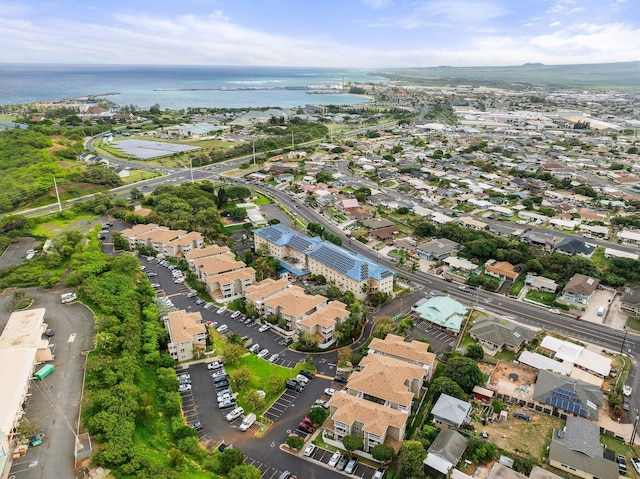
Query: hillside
point(588, 76)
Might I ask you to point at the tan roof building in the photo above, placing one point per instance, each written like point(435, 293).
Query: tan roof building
point(412, 352)
point(211, 250)
point(213, 265)
point(393, 382)
point(472, 223)
point(232, 283)
point(159, 237)
point(265, 288)
point(131, 234)
point(502, 270)
point(186, 334)
point(183, 244)
point(324, 321)
point(375, 423)
point(292, 304)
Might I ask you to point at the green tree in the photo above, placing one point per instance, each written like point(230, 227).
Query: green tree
point(273, 385)
point(228, 459)
point(481, 452)
point(245, 471)
point(352, 443)
point(405, 326)
point(383, 326)
point(295, 442)
point(465, 372)
point(318, 414)
point(410, 458)
point(254, 399)
point(231, 353)
point(447, 386)
point(498, 406)
point(475, 351)
point(383, 453)
point(240, 378)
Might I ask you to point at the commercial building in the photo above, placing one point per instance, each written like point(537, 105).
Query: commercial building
point(442, 311)
point(22, 347)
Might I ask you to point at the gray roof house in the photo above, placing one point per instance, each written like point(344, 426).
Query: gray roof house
point(579, 289)
point(450, 411)
point(541, 283)
point(495, 335)
point(577, 450)
point(575, 246)
point(445, 451)
point(437, 249)
point(568, 395)
point(631, 299)
point(539, 239)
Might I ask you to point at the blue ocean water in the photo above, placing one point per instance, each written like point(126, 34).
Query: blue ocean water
point(176, 87)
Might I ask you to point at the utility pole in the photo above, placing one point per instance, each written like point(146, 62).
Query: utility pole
point(293, 146)
point(191, 168)
point(635, 428)
point(624, 340)
point(55, 185)
point(253, 146)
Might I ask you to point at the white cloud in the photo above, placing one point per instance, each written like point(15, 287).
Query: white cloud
point(377, 4)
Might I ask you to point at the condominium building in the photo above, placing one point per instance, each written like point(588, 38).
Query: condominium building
point(300, 256)
point(186, 334)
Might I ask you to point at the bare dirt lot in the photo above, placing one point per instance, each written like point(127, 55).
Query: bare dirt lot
point(519, 436)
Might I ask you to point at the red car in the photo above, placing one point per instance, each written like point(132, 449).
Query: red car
point(307, 426)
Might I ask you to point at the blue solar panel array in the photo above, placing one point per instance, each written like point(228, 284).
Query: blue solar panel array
point(299, 243)
point(566, 400)
point(334, 259)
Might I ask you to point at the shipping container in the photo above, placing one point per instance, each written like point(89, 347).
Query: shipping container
point(44, 371)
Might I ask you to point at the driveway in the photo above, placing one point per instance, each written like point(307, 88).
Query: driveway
point(54, 404)
point(16, 252)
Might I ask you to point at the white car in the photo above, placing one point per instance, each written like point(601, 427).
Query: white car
point(334, 459)
point(264, 328)
point(554, 311)
point(184, 376)
point(329, 391)
point(221, 310)
point(235, 314)
point(235, 414)
point(184, 388)
point(309, 450)
point(273, 358)
point(178, 281)
point(263, 354)
point(322, 403)
point(255, 349)
point(300, 377)
point(214, 365)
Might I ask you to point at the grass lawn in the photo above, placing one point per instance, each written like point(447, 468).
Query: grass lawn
point(541, 297)
point(506, 355)
point(53, 227)
point(516, 288)
point(599, 259)
point(262, 200)
point(620, 447)
point(633, 323)
point(139, 175)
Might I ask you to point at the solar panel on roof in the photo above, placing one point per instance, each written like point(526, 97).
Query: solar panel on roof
point(299, 243)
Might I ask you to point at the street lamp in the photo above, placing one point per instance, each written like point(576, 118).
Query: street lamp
point(626, 330)
point(191, 168)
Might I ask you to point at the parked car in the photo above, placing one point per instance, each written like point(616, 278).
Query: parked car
point(255, 349)
point(249, 321)
point(235, 314)
point(262, 354)
point(184, 388)
point(191, 295)
point(625, 404)
point(308, 451)
point(199, 301)
point(197, 426)
point(351, 465)
point(636, 464)
point(322, 403)
point(184, 376)
point(521, 415)
point(340, 379)
point(334, 459)
point(222, 392)
point(227, 403)
point(622, 464)
point(247, 422)
point(302, 378)
point(294, 385)
point(221, 384)
point(287, 341)
point(223, 328)
point(273, 358)
point(307, 374)
point(49, 333)
point(263, 328)
point(235, 414)
point(221, 310)
point(219, 376)
point(379, 474)
point(341, 463)
point(329, 391)
point(214, 365)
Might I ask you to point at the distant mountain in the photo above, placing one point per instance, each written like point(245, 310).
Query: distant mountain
point(624, 75)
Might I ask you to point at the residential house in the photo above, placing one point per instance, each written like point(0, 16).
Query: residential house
point(573, 246)
point(495, 335)
point(579, 289)
point(445, 452)
point(187, 333)
point(388, 381)
point(375, 423)
point(443, 311)
point(474, 224)
point(567, 396)
point(348, 204)
point(631, 300)
point(413, 352)
point(302, 255)
point(380, 228)
point(541, 283)
point(450, 412)
point(545, 241)
point(437, 249)
point(577, 450)
point(503, 270)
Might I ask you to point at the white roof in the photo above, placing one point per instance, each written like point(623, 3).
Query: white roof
point(24, 330)
point(440, 218)
point(630, 235)
point(13, 383)
point(539, 361)
point(616, 253)
point(460, 263)
point(568, 352)
point(595, 362)
point(438, 463)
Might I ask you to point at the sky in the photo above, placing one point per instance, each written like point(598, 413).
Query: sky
point(320, 33)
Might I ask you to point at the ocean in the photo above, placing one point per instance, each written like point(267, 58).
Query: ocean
point(178, 87)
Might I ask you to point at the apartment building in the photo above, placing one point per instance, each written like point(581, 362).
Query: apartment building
point(323, 322)
point(157, 238)
point(195, 254)
point(163, 240)
point(131, 234)
point(301, 256)
point(224, 276)
point(291, 305)
point(183, 244)
point(412, 352)
point(187, 333)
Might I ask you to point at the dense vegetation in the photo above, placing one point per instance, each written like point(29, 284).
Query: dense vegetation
point(29, 162)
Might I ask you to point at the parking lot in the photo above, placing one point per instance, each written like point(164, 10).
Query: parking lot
point(279, 407)
point(323, 456)
point(439, 340)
